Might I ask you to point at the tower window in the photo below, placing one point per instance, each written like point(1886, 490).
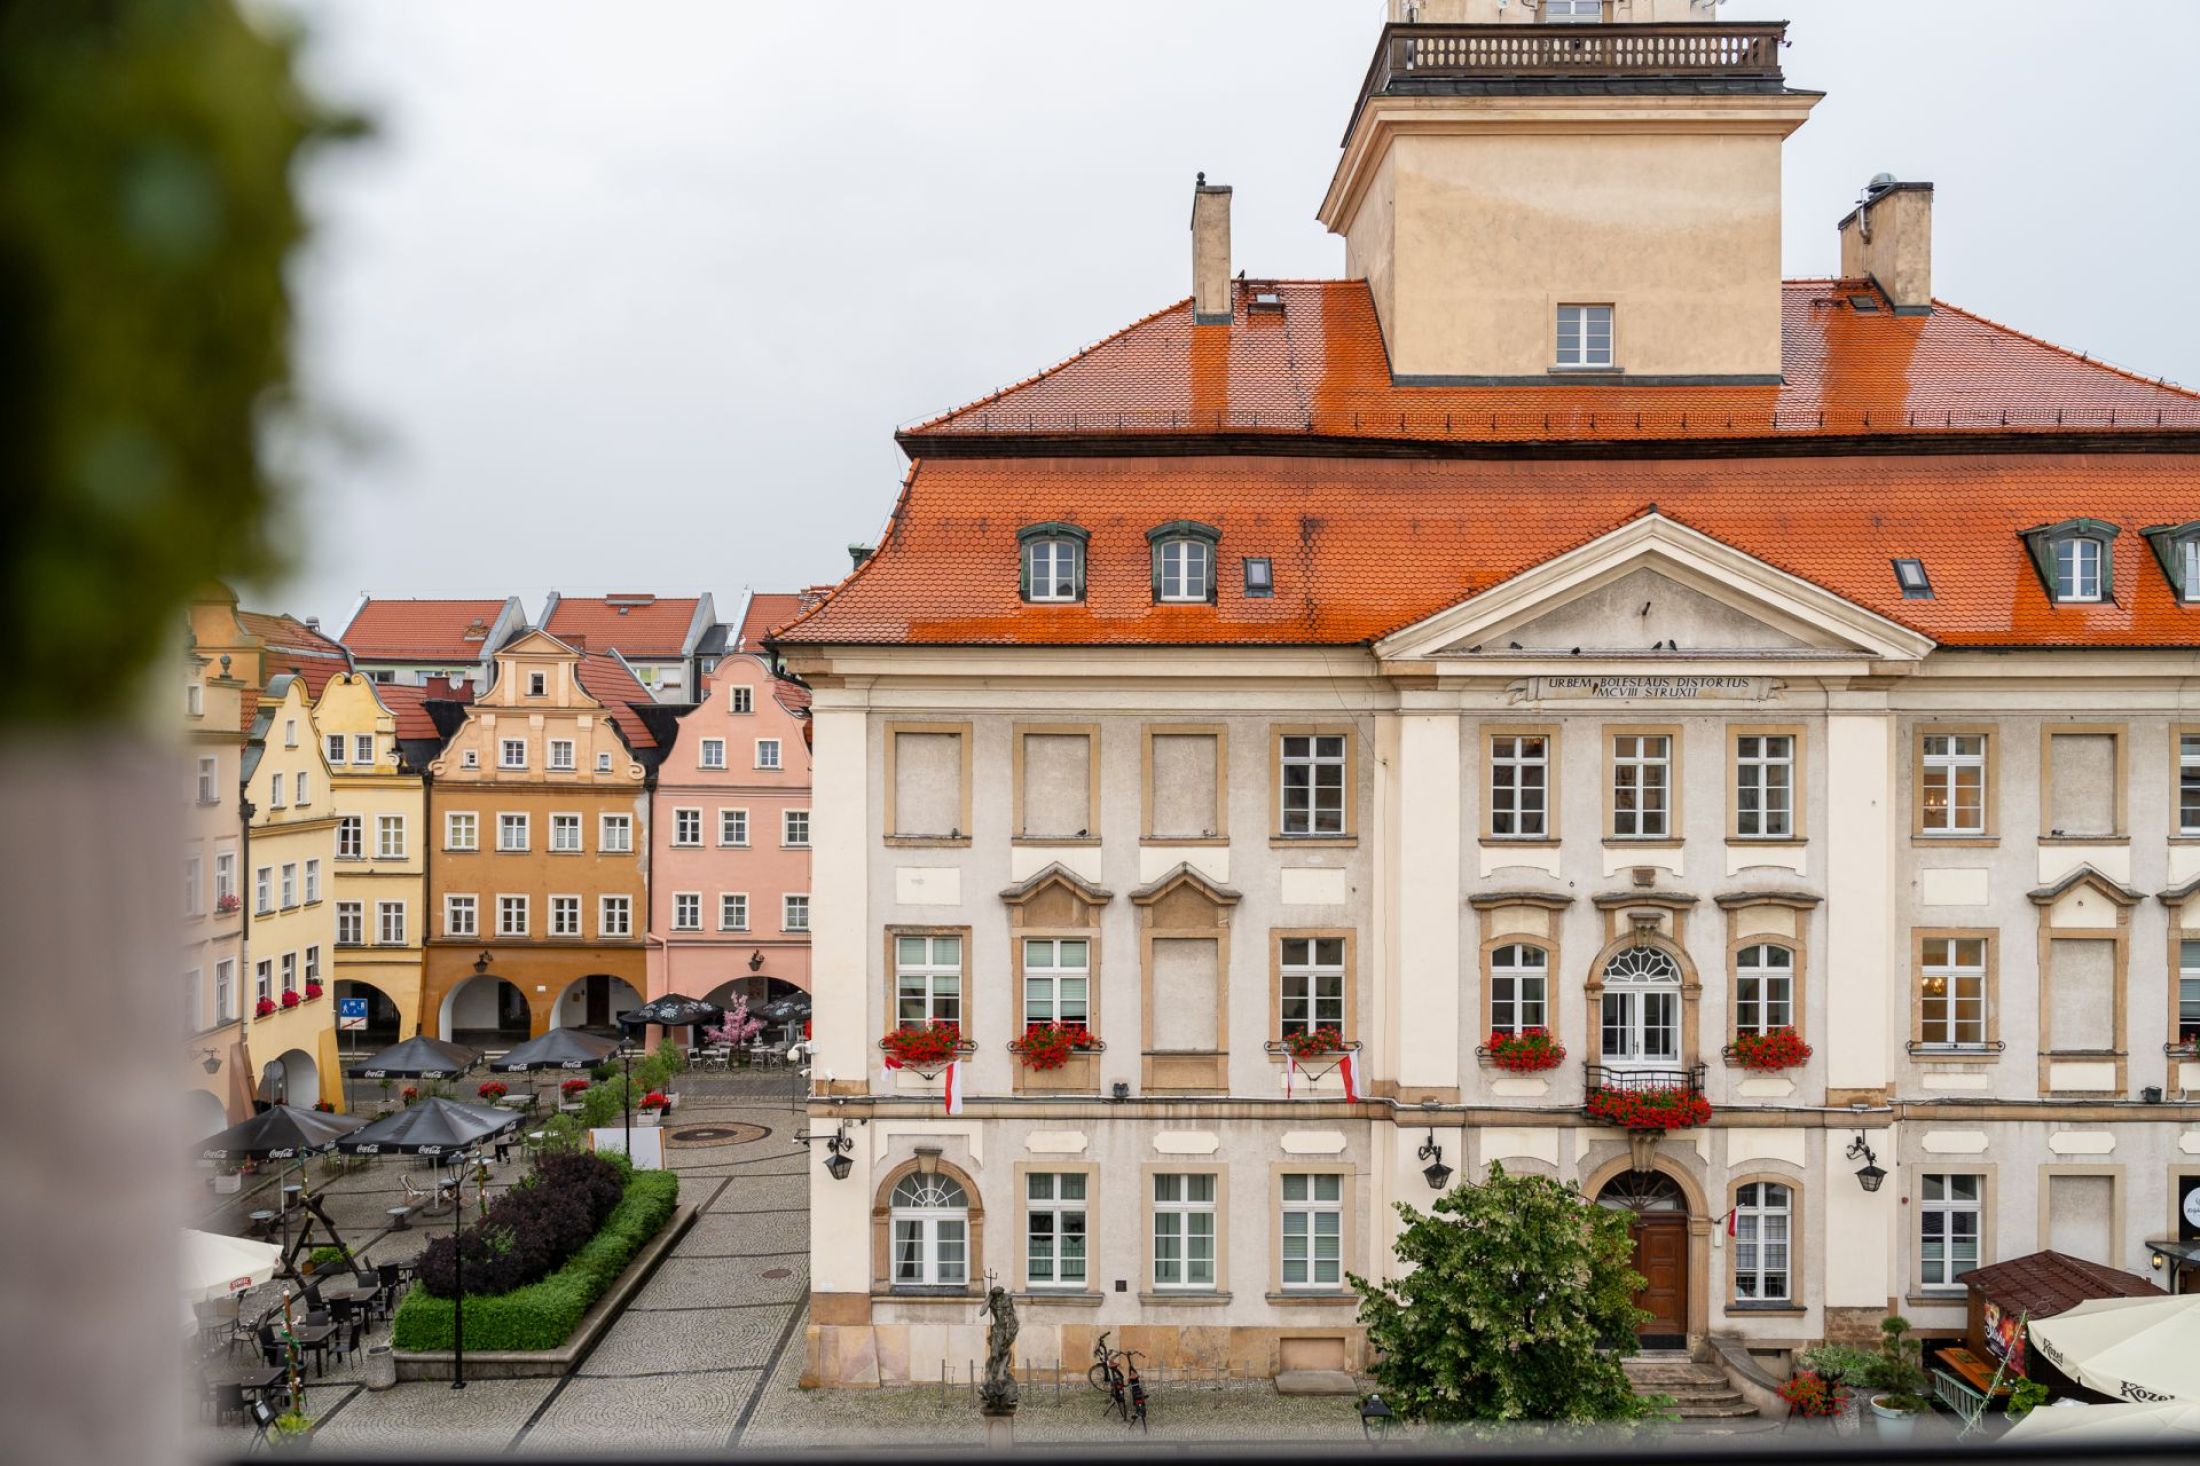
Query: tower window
point(1584, 336)
point(1910, 575)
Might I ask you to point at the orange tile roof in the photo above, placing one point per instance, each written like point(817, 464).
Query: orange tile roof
point(764, 612)
point(289, 645)
point(638, 625)
point(427, 631)
point(408, 704)
point(606, 680)
point(1365, 545)
point(1318, 367)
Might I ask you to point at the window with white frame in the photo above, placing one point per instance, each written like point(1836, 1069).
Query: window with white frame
point(1184, 570)
point(1313, 1231)
point(1953, 799)
point(225, 990)
point(389, 837)
point(461, 916)
point(1183, 1231)
point(1050, 568)
point(741, 700)
point(1054, 1229)
point(336, 745)
point(930, 1216)
point(615, 834)
point(1520, 984)
point(687, 827)
point(1764, 786)
point(565, 916)
point(565, 833)
point(1764, 988)
point(1313, 768)
point(615, 916)
point(263, 980)
point(1641, 1008)
point(1556, 12)
point(362, 749)
point(687, 911)
point(209, 780)
point(351, 838)
point(461, 830)
point(511, 832)
point(733, 911)
point(303, 790)
point(290, 732)
point(313, 881)
point(389, 923)
point(2188, 992)
point(2188, 784)
point(512, 753)
point(603, 763)
point(1310, 976)
point(2188, 568)
point(767, 753)
point(1763, 1214)
point(561, 756)
point(1584, 336)
point(313, 964)
point(194, 886)
point(538, 684)
point(290, 972)
point(733, 827)
point(1948, 1228)
point(794, 913)
point(290, 884)
point(194, 700)
point(511, 916)
point(794, 828)
point(712, 754)
point(263, 890)
point(470, 759)
point(351, 923)
point(225, 875)
point(1519, 786)
point(927, 980)
point(1952, 993)
point(1057, 981)
point(1642, 772)
point(275, 795)
point(2078, 568)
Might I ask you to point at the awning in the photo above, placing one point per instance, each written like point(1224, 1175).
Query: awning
point(2069, 1425)
point(2140, 1349)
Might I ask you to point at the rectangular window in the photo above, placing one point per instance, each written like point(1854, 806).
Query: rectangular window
point(389, 837)
point(461, 830)
point(565, 833)
point(2081, 995)
point(1520, 978)
point(351, 838)
point(733, 911)
point(1057, 981)
point(1584, 336)
point(1948, 1228)
point(336, 745)
point(389, 923)
point(461, 916)
point(733, 827)
point(565, 916)
point(313, 964)
point(351, 923)
point(1056, 793)
point(225, 991)
point(194, 886)
point(304, 790)
point(713, 754)
point(1952, 997)
point(538, 684)
point(511, 832)
point(687, 827)
point(209, 780)
point(1313, 1232)
point(615, 916)
point(1313, 768)
point(1260, 578)
point(1556, 12)
point(470, 759)
point(794, 828)
point(2081, 775)
point(1763, 1214)
point(1764, 786)
point(2188, 992)
point(512, 753)
point(275, 791)
point(194, 1013)
point(511, 916)
point(194, 697)
point(290, 884)
point(1050, 569)
point(1642, 769)
point(2188, 781)
point(263, 890)
point(290, 733)
point(1519, 786)
point(290, 972)
point(616, 837)
point(225, 875)
point(313, 881)
point(1311, 984)
point(263, 980)
point(1184, 780)
point(1054, 1229)
point(603, 763)
point(2081, 1217)
point(1184, 570)
point(1188, 970)
point(794, 913)
point(741, 700)
point(687, 911)
point(2078, 569)
point(927, 980)
point(928, 794)
point(767, 753)
point(1764, 988)
point(362, 749)
point(1183, 1231)
point(1952, 800)
point(1916, 585)
point(561, 755)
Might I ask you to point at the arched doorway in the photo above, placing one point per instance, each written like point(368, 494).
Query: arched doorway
point(203, 1115)
point(594, 1003)
point(485, 1012)
point(293, 1079)
point(761, 992)
point(385, 1022)
point(1657, 1211)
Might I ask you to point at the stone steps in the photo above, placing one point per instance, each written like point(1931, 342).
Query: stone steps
point(1700, 1392)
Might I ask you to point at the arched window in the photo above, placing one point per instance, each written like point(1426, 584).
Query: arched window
point(1053, 562)
point(1520, 978)
point(1642, 1008)
point(1764, 988)
point(931, 1220)
point(2078, 569)
point(1184, 561)
point(1763, 1213)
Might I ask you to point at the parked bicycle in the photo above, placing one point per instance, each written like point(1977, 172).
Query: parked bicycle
point(1115, 1373)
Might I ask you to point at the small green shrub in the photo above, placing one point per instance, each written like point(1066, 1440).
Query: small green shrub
point(329, 1259)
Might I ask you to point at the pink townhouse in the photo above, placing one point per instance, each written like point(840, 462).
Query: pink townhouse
point(730, 842)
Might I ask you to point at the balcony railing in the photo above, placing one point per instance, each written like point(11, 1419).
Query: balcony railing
point(1608, 1076)
point(1414, 58)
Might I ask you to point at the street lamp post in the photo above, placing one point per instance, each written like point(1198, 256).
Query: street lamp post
point(626, 1092)
point(458, 1272)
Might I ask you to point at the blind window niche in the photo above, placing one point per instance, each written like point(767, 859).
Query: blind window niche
point(1186, 986)
point(928, 770)
point(2081, 1212)
point(1185, 780)
point(2082, 780)
point(1058, 786)
point(2081, 994)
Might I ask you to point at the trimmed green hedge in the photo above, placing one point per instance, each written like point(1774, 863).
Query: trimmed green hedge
point(543, 1315)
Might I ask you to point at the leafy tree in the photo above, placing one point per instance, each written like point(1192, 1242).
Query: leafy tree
point(1517, 1306)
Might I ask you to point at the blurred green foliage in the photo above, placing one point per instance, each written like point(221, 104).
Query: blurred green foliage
point(146, 214)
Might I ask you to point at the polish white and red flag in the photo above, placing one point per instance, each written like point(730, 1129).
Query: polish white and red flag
point(1348, 1073)
point(951, 1094)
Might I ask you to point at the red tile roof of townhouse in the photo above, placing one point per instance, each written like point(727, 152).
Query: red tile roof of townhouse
point(407, 703)
point(289, 645)
point(1364, 545)
point(638, 625)
point(605, 679)
point(1317, 368)
point(428, 631)
point(765, 611)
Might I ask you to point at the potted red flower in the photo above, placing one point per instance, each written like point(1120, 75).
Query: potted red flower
point(263, 1007)
point(572, 1087)
point(1657, 1109)
point(313, 990)
point(932, 1045)
point(1046, 1046)
point(412, 1093)
point(493, 1090)
point(652, 1106)
point(291, 998)
point(1779, 1048)
point(228, 905)
point(1530, 1051)
point(1812, 1394)
point(326, 1107)
point(1313, 1043)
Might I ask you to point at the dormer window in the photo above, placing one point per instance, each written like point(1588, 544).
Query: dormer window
point(1053, 562)
point(2074, 560)
point(2177, 550)
point(1184, 561)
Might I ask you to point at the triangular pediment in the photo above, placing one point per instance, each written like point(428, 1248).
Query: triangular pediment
point(1655, 588)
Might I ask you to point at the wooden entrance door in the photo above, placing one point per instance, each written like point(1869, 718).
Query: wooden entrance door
point(599, 1001)
point(1661, 1256)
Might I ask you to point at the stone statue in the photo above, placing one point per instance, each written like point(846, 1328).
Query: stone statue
point(997, 1396)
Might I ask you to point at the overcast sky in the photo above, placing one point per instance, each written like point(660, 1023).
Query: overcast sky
point(631, 296)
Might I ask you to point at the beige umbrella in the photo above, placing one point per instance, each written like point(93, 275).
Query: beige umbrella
point(2145, 1350)
point(215, 1266)
point(2165, 1423)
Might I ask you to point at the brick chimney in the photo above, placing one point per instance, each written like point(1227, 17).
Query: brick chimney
point(1210, 253)
point(1888, 239)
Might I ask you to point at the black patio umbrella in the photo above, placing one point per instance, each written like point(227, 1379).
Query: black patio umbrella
point(673, 1010)
point(283, 1133)
point(560, 1048)
point(432, 1127)
point(418, 1057)
point(792, 1008)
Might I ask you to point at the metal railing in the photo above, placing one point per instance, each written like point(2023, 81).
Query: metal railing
point(1608, 1076)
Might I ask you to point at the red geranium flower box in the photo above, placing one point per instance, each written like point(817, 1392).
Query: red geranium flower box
point(1530, 1051)
point(1313, 1043)
point(1049, 1045)
point(1782, 1048)
point(493, 1089)
point(572, 1087)
point(654, 1100)
point(291, 998)
point(263, 1007)
point(1648, 1109)
point(932, 1043)
point(313, 990)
